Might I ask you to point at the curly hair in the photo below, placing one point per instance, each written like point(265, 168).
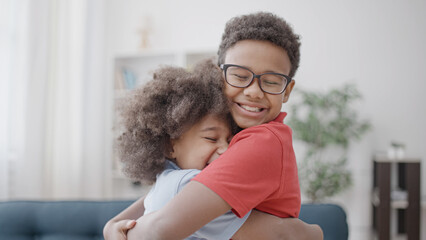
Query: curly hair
point(261, 26)
point(173, 101)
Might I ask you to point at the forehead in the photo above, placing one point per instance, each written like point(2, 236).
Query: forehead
point(262, 56)
point(212, 122)
point(209, 123)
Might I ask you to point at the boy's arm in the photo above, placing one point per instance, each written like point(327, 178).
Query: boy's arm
point(262, 225)
point(117, 227)
point(192, 208)
point(196, 205)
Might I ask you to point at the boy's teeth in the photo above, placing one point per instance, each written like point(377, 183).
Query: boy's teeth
point(251, 109)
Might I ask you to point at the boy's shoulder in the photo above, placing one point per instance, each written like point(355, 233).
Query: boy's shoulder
point(272, 127)
point(265, 133)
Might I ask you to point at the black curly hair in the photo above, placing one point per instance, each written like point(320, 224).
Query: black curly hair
point(173, 101)
point(261, 26)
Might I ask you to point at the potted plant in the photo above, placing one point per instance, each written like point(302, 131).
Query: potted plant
point(326, 123)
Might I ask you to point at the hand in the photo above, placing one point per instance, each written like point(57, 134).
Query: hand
point(302, 231)
point(117, 230)
point(314, 232)
point(261, 225)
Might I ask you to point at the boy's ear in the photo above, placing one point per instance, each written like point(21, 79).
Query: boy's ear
point(288, 91)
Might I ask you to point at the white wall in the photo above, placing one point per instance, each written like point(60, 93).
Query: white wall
point(379, 45)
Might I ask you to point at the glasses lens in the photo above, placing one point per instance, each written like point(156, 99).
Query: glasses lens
point(273, 83)
point(238, 77)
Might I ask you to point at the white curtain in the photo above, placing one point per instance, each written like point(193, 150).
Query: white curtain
point(5, 45)
point(58, 109)
point(13, 71)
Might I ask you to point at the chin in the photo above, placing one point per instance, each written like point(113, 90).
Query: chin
point(247, 124)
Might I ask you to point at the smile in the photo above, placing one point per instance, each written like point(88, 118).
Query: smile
point(250, 108)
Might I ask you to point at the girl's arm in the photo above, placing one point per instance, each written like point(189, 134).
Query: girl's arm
point(117, 227)
point(196, 205)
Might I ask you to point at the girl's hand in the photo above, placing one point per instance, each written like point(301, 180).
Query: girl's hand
point(117, 230)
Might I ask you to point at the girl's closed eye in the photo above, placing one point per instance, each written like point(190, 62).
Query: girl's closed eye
point(211, 139)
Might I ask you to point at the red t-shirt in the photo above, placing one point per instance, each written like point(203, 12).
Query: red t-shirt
point(257, 171)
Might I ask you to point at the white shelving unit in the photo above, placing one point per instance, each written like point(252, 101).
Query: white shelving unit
point(132, 70)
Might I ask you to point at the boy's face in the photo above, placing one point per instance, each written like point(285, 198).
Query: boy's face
point(203, 143)
point(251, 106)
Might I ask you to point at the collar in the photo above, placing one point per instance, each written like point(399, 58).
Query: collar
point(171, 165)
point(280, 117)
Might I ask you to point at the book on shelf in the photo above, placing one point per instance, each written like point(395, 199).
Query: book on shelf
point(125, 79)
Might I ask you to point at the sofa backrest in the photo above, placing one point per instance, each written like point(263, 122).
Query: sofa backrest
point(81, 220)
point(57, 220)
point(330, 217)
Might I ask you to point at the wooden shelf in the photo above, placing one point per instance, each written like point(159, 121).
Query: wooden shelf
point(398, 179)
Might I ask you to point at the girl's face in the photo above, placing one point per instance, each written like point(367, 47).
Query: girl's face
point(203, 143)
point(250, 106)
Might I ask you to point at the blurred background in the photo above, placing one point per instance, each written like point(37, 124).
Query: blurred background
point(65, 64)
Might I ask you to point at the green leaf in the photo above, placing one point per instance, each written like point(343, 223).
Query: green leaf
point(323, 120)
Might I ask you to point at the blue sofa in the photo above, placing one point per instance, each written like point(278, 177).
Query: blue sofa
point(80, 220)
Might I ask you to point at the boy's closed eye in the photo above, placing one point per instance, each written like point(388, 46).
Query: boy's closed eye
point(271, 83)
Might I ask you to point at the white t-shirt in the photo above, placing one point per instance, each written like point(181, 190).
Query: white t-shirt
point(169, 183)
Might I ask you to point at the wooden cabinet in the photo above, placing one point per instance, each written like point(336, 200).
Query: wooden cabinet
point(396, 198)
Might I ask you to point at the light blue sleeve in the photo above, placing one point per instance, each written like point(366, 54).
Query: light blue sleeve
point(169, 183)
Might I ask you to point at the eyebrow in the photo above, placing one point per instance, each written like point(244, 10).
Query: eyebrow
point(209, 129)
point(267, 71)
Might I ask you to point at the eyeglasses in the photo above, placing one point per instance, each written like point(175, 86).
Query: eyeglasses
point(241, 77)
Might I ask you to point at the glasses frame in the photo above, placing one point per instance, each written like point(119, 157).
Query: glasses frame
point(225, 67)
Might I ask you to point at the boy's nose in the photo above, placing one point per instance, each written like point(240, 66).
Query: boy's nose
point(253, 90)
